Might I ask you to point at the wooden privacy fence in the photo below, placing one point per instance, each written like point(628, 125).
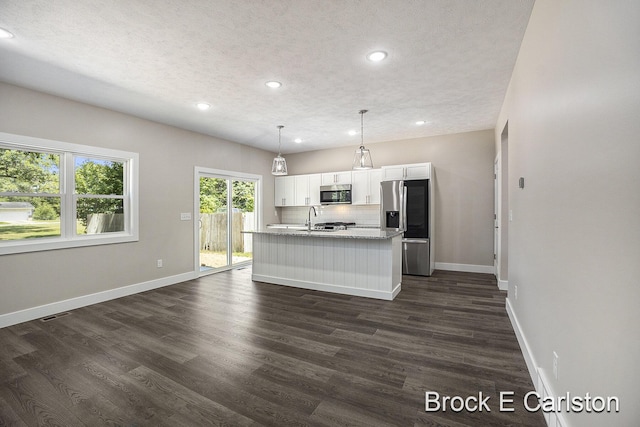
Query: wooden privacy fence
point(213, 231)
point(104, 223)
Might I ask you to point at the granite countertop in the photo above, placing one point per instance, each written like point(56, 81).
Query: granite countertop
point(352, 233)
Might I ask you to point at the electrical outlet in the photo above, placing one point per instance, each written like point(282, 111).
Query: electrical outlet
point(159, 263)
point(515, 291)
point(555, 365)
point(185, 216)
point(510, 215)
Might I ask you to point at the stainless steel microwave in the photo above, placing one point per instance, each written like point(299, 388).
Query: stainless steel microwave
point(339, 194)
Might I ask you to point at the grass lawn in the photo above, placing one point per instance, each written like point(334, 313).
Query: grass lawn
point(219, 259)
point(31, 230)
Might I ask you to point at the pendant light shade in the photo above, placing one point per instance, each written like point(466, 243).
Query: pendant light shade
point(279, 166)
point(362, 157)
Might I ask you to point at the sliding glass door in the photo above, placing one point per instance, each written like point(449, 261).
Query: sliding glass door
point(243, 219)
point(226, 207)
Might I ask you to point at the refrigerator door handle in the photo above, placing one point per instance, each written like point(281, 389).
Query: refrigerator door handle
point(404, 208)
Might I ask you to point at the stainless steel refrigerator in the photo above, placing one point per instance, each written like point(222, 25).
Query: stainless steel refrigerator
point(408, 205)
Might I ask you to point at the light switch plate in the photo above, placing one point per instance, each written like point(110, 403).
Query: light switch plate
point(185, 216)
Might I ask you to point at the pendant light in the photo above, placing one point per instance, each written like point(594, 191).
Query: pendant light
point(279, 166)
point(362, 158)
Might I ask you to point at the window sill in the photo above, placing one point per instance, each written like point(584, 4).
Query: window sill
point(54, 243)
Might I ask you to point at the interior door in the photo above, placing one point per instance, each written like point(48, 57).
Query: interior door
point(496, 216)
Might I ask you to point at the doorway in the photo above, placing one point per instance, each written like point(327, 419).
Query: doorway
point(226, 206)
point(501, 235)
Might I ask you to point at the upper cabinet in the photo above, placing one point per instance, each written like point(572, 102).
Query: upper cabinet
point(366, 187)
point(307, 189)
point(297, 190)
point(411, 171)
point(304, 190)
point(284, 191)
point(336, 178)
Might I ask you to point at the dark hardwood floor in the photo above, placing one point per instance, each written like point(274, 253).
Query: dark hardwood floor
point(223, 350)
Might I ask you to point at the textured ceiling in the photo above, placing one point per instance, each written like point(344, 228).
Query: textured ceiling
point(449, 63)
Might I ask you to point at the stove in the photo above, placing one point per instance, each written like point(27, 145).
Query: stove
point(333, 225)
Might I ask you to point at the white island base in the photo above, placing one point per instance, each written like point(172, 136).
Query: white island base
point(344, 262)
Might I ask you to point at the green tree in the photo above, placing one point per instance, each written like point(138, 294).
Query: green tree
point(31, 172)
point(213, 195)
point(243, 195)
point(44, 213)
point(97, 177)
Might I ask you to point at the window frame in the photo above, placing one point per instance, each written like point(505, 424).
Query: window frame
point(68, 237)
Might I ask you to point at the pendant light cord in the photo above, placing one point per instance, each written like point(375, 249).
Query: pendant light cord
point(279, 138)
point(362, 128)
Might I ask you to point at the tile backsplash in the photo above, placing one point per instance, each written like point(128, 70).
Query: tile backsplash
point(360, 214)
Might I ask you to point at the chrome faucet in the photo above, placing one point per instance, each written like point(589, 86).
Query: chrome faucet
point(315, 213)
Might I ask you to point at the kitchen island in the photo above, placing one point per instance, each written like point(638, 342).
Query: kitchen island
point(360, 262)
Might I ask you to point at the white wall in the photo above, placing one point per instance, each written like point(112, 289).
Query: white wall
point(168, 156)
point(573, 109)
point(463, 165)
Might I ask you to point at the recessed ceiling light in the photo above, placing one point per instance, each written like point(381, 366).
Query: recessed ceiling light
point(273, 84)
point(297, 140)
point(421, 122)
point(5, 34)
point(353, 132)
point(377, 56)
point(203, 106)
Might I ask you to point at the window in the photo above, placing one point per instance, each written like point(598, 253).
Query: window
point(57, 195)
point(99, 195)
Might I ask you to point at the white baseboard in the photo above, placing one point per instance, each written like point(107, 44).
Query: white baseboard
point(468, 268)
point(85, 300)
point(543, 387)
point(524, 345)
point(503, 285)
point(538, 377)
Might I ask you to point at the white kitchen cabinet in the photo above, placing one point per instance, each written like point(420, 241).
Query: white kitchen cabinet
point(366, 187)
point(418, 171)
point(284, 191)
point(391, 173)
point(315, 181)
point(410, 171)
point(336, 178)
point(375, 177)
point(307, 189)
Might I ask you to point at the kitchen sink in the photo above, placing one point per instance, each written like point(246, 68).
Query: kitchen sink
point(288, 226)
point(313, 230)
